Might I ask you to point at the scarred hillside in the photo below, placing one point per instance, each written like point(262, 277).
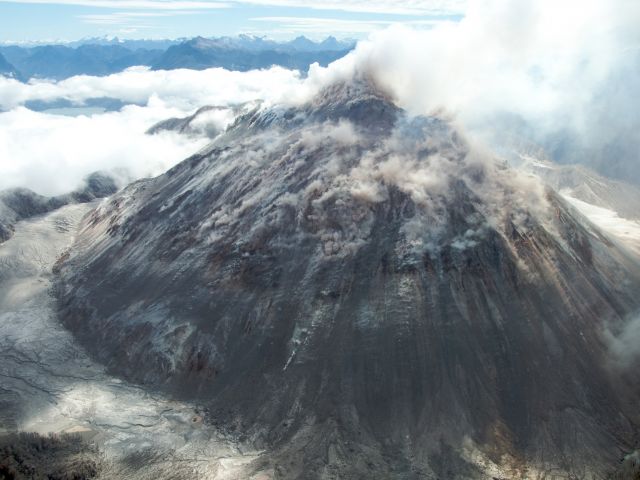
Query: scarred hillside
point(363, 295)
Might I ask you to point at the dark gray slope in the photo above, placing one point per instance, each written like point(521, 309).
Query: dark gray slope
point(20, 203)
point(364, 296)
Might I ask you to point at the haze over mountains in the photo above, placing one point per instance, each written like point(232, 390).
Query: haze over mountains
point(8, 70)
point(95, 57)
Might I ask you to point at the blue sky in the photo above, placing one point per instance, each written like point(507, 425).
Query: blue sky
point(49, 20)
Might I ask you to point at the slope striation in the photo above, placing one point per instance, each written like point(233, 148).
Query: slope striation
point(364, 294)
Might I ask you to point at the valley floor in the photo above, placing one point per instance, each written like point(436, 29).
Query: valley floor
point(49, 384)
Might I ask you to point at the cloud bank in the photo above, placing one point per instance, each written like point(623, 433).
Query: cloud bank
point(51, 154)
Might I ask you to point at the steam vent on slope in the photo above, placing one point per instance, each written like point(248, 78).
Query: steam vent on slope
point(363, 294)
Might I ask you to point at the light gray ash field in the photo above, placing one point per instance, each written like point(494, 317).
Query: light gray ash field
point(356, 293)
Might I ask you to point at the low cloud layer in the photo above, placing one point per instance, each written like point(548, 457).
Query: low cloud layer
point(183, 89)
point(52, 153)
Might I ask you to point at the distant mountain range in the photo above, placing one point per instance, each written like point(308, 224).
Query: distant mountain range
point(130, 44)
point(7, 69)
point(247, 54)
point(102, 56)
point(59, 62)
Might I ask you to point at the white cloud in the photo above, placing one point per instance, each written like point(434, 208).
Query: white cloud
point(184, 89)
point(521, 53)
point(120, 18)
point(559, 68)
point(51, 154)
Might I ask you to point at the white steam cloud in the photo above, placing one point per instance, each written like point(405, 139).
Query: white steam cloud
point(561, 74)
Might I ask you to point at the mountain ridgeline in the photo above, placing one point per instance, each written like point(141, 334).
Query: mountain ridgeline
point(99, 58)
point(362, 294)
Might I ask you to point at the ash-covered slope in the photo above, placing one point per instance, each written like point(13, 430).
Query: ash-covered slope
point(208, 121)
point(612, 205)
point(363, 295)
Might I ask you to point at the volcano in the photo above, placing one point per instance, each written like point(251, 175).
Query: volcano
point(360, 293)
